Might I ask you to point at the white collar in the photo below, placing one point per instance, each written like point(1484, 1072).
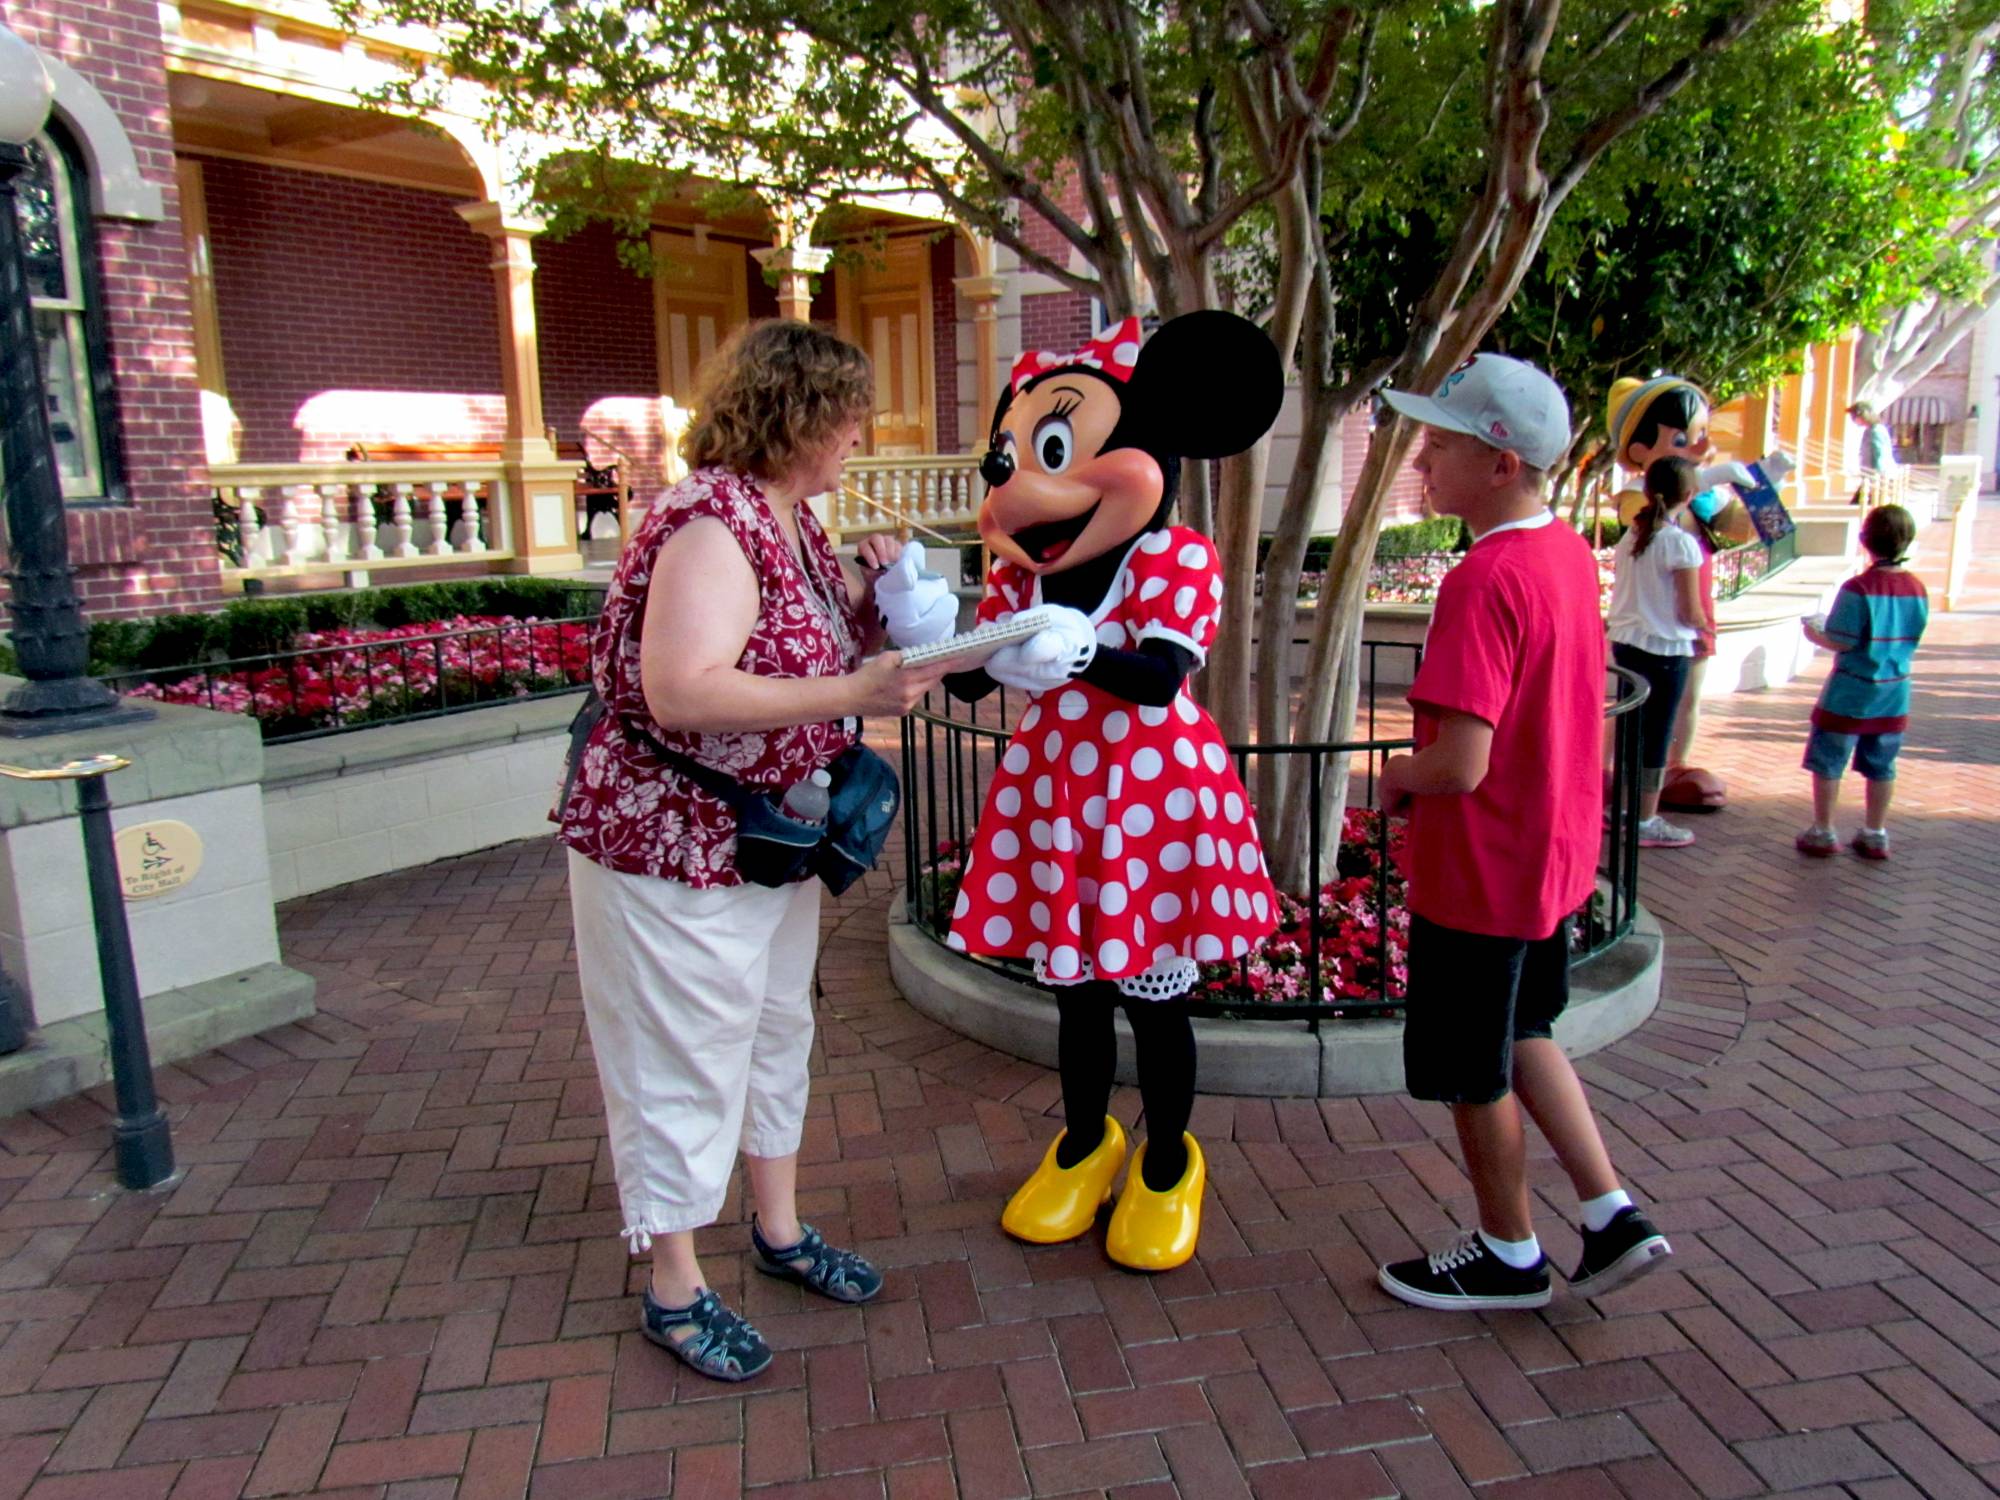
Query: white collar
point(1535, 522)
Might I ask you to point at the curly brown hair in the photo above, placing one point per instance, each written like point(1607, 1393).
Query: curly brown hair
point(772, 392)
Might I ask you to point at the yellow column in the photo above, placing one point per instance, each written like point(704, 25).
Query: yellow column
point(1839, 429)
point(795, 266)
point(983, 292)
point(540, 490)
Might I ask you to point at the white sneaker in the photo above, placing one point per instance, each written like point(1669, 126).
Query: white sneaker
point(1657, 833)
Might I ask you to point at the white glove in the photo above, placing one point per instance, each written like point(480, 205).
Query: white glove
point(1776, 465)
point(917, 607)
point(1049, 657)
point(1727, 472)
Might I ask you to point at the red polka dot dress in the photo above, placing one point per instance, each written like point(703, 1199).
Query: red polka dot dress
point(1117, 841)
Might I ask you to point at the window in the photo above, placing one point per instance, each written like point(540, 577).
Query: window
point(60, 248)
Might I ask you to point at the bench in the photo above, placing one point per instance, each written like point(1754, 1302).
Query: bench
point(596, 487)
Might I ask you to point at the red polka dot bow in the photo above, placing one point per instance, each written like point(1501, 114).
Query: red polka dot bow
point(1113, 353)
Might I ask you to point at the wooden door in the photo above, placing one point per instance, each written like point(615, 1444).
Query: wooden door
point(885, 308)
point(699, 295)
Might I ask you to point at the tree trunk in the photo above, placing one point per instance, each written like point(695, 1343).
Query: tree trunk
point(1237, 515)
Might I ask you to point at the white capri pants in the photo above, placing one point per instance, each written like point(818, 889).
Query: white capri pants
point(699, 1004)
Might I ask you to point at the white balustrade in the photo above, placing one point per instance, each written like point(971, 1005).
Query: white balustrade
point(400, 526)
point(934, 491)
point(365, 545)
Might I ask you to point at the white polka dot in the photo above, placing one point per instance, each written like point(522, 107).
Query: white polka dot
point(1038, 916)
point(1185, 752)
point(1261, 905)
point(1111, 898)
point(1226, 852)
point(1007, 801)
point(1114, 841)
point(1184, 600)
point(1006, 844)
point(1192, 555)
point(1111, 955)
point(1138, 820)
point(1063, 962)
point(1126, 354)
point(954, 942)
point(1114, 783)
point(1072, 705)
point(1174, 858)
point(998, 930)
point(1216, 756)
point(1045, 791)
point(1138, 932)
point(1208, 947)
point(1117, 724)
point(1184, 706)
point(1001, 888)
point(1094, 809)
point(1218, 899)
point(1031, 718)
point(1180, 804)
point(1246, 857)
point(1204, 850)
point(1156, 543)
point(1242, 905)
point(963, 905)
point(1152, 717)
point(1063, 835)
point(1136, 873)
point(1052, 744)
point(1215, 586)
point(1083, 759)
point(1208, 802)
point(1045, 875)
point(1075, 919)
point(1238, 946)
point(1038, 950)
point(1232, 808)
point(1152, 588)
point(1164, 952)
point(1038, 835)
point(1111, 634)
point(1086, 891)
point(1166, 907)
point(1126, 582)
point(1146, 764)
point(1016, 758)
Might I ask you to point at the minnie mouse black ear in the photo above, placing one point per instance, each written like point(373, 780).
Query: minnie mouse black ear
point(1208, 384)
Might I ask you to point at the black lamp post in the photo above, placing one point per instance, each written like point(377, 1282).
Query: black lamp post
point(50, 641)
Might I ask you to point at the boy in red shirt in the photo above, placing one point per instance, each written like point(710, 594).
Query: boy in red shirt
point(1504, 797)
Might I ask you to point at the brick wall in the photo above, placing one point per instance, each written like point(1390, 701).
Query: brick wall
point(157, 552)
point(350, 312)
point(944, 342)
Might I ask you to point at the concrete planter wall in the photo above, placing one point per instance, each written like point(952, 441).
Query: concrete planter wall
point(1609, 996)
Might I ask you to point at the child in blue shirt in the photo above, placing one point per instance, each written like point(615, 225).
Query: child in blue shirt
point(1874, 626)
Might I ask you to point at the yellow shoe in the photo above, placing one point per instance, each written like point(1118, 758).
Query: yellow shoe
point(1060, 1203)
point(1157, 1231)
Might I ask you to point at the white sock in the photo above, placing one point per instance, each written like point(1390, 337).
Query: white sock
point(1520, 1254)
point(1597, 1212)
point(1875, 833)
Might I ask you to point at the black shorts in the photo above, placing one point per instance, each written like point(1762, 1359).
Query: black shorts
point(1470, 998)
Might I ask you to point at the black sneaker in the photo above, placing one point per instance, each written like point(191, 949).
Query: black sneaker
point(1466, 1274)
point(1622, 1251)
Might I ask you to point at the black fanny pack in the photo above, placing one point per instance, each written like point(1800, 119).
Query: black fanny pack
point(772, 847)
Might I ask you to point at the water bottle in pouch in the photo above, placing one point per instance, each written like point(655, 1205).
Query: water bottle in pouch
point(808, 800)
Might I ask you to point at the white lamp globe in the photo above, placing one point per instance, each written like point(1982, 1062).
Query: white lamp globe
point(26, 91)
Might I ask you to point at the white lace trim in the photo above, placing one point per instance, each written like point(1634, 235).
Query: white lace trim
point(1168, 979)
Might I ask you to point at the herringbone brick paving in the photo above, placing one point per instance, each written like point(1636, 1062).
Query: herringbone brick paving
point(391, 1269)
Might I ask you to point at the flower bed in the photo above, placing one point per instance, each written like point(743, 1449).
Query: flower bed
point(345, 677)
point(1415, 579)
point(1362, 923)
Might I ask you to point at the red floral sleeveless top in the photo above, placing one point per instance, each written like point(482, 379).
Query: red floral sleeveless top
point(627, 810)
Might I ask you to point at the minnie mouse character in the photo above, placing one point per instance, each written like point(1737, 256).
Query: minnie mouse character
point(1117, 850)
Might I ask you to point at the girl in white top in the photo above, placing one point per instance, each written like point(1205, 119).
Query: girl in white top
point(1655, 615)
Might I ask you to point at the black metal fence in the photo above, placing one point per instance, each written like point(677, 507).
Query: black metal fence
point(1340, 953)
point(423, 673)
point(1740, 567)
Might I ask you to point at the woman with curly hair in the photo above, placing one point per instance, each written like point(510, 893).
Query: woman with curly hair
point(732, 636)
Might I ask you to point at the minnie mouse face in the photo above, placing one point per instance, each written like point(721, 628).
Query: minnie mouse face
point(1085, 449)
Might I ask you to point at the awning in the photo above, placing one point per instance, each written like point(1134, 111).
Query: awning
point(1922, 411)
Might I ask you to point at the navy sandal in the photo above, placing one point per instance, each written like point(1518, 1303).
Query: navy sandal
point(839, 1274)
point(723, 1346)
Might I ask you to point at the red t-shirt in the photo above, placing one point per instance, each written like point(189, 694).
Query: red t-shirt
point(1516, 639)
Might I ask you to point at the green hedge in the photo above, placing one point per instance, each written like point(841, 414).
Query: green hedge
point(1439, 534)
point(260, 627)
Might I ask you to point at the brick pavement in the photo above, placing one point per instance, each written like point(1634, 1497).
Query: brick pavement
point(391, 1269)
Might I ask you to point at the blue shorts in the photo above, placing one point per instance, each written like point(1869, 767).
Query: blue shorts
point(1874, 755)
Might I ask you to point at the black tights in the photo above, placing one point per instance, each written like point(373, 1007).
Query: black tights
point(1164, 1038)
